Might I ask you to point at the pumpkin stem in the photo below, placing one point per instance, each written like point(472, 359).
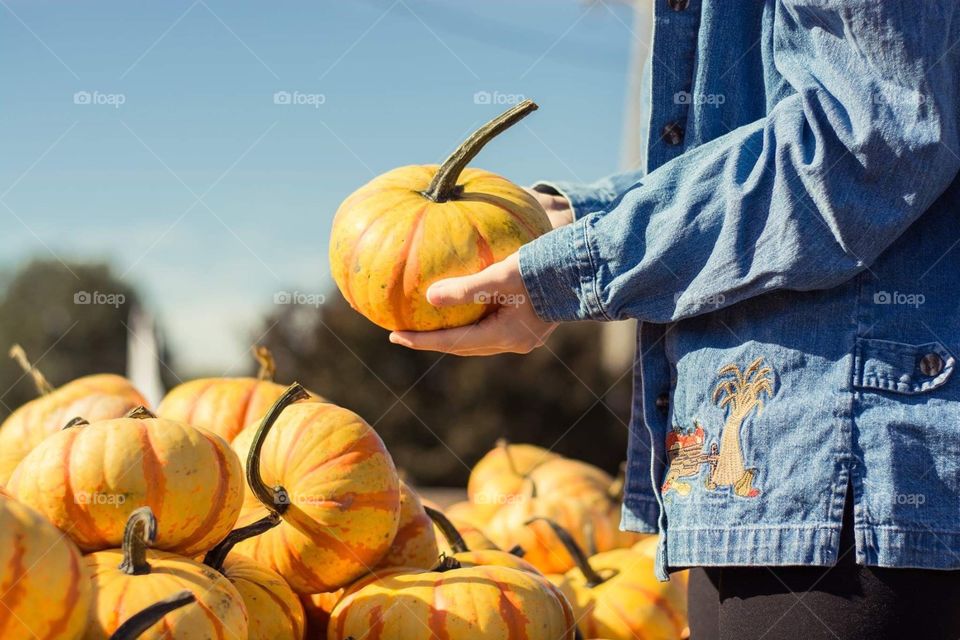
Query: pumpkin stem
point(447, 563)
point(76, 422)
point(39, 380)
point(216, 556)
point(579, 557)
point(140, 532)
point(140, 413)
point(619, 483)
point(139, 622)
point(268, 366)
point(504, 445)
point(448, 529)
point(443, 187)
point(276, 499)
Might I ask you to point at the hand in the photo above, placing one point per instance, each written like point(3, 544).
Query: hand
point(557, 207)
point(513, 328)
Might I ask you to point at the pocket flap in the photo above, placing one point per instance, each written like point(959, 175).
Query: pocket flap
point(899, 367)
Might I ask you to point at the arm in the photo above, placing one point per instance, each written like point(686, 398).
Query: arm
point(802, 199)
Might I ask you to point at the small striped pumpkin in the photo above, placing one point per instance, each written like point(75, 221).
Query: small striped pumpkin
point(415, 544)
point(462, 553)
point(330, 477)
point(480, 603)
point(44, 592)
point(224, 405)
point(88, 478)
point(127, 580)
point(501, 473)
point(95, 397)
point(406, 229)
point(615, 594)
point(273, 609)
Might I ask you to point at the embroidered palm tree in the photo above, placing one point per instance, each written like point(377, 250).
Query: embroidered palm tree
point(739, 393)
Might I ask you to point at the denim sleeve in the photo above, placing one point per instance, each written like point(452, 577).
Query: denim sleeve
point(802, 199)
point(593, 197)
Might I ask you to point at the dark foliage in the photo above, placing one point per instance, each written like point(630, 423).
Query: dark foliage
point(438, 414)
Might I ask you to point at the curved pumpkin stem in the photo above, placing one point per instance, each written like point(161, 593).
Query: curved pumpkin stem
point(140, 532)
point(579, 557)
point(619, 483)
point(39, 380)
point(447, 563)
point(139, 622)
point(140, 413)
point(504, 445)
point(76, 422)
point(268, 366)
point(448, 529)
point(276, 499)
point(216, 556)
point(443, 187)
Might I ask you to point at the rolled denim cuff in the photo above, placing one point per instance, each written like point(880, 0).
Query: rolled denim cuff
point(557, 270)
point(583, 198)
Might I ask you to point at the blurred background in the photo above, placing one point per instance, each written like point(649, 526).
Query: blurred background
point(171, 170)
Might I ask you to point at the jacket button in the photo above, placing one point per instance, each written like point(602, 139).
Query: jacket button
point(931, 364)
point(672, 133)
point(663, 403)
point(678, 5)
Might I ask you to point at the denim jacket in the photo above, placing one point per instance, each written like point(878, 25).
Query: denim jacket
point(792, 255)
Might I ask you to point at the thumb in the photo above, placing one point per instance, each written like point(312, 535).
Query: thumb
point(475, 288)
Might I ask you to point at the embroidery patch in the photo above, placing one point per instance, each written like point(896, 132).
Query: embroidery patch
point(740, 394)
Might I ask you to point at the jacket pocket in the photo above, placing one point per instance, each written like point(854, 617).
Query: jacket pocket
point(901, 368)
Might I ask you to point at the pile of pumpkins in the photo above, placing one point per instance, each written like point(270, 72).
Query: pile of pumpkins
point(242, 508)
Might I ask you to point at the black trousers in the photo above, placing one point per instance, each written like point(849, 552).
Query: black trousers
point(846, 601)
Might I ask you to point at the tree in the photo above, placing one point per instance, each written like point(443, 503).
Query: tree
point(69, 318)
point(438, 414)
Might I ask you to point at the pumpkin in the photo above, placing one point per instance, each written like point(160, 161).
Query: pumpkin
point(88, 478)
point(461, 552)
point(139, 623)
point(327, 473)
point(96, 397)
point(594, 523)
point(415, 544)
point(44, 592)
point(472, 534)
point(131, 578)
point(224, 405)
point(501, 473)
point(273, 609)
point(482, 602)
point(406, 229)
point(318, 606)
point(615, 594)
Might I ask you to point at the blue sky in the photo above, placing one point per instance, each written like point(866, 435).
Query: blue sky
point(209, 196)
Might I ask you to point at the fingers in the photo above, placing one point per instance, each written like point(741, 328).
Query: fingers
point(483, 287)
point(483, 336)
